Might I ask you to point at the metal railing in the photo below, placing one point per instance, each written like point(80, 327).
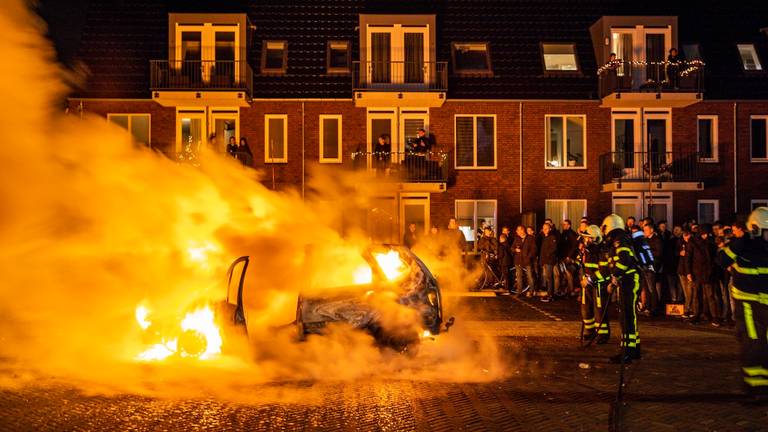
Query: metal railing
point(201, 75)
point(400, 76)
point(653, 77)
point(404, 166)
point(618, 167)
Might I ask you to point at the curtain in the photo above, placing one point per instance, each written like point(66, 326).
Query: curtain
point(654, 53)
point(380, 57)
point(414, 58)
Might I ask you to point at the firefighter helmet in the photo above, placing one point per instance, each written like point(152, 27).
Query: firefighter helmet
point(758, 220)
point(612, 222)
point(593, 232)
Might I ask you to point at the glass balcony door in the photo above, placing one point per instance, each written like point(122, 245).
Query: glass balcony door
point(204, 52)
point(398, 55)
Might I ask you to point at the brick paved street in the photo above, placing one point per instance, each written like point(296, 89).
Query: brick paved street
point(688, 380)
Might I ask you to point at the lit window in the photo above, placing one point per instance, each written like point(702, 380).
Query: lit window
point(749, 57)
point(475, 141)
point(559, 57)
point(707, 138)
point(275, 138)
point(759, 137)
point(559, 209)
point(472, 58)
point(274, 56)
point(566, 142)
point(137, 124)
point(470, 215)
point(708, 211)
point(338, 57)
point(330, 138)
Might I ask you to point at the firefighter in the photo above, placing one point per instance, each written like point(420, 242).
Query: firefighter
point(625, 276)
point(748, 260)
point(594, 283)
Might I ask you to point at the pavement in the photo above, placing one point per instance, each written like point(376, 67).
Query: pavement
point(688, 380)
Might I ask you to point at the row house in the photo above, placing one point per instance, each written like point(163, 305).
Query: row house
point(529, 114)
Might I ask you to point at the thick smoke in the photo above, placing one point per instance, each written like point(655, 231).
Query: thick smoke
point(92, 225)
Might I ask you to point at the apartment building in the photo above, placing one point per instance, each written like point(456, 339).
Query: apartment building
point(529, 115)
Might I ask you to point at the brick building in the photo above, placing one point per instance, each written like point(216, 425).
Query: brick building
point(529, 115)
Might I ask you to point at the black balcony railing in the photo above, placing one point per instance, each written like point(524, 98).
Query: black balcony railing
point(400, 76)
point(657, 167)
point(201, 75)
point(404, 166)
point(654, 77)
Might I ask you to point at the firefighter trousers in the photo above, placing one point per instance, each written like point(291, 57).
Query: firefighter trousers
point(629, 287)
point(752, 330)
point(594, 303)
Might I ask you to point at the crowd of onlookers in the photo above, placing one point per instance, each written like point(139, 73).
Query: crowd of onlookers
point(686, 267)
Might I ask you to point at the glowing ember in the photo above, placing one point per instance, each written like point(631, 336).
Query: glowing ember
point(391, 264)
point(426, 334)
point(198, 336)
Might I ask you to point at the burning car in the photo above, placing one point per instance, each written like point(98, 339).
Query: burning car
point(397, 283)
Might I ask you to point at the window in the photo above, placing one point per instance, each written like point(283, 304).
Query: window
point(475, 141)
point(330, 139)
point(559, 57)
point(471, 58)
point(137, 124)
point(708, 211)
point(471, 213)
point(749, 59)
point(566, 141)
point(337, 60)
point(755, 203)
point(399, 53)
point(275, 138)
point(707, 138)
point(559, 210)
point(759, 138)
point(692, 51)
point(274, 57)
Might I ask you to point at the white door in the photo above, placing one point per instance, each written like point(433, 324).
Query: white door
point(626, 205)
point(225, 125)
point(191, 131)
point(411, 120)
point(414, 208)
point(381, 122)
point(397, 54)
point(659, 207)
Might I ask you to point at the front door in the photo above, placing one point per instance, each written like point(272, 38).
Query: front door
point(410, 123)
point(225, 126)
point(657, 145)
point(658, 207)
point(190, 131)
point(414, 208)
point(626, 205)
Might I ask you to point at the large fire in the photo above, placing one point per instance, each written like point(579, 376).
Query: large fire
point(197, 336)
point(391, 264)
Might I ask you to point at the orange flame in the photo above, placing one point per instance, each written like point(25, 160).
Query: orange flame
point(391, 264)
point(200, 336)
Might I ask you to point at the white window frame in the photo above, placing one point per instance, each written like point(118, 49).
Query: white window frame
point(765, 119)
point(715, 138)
point(397, 48)
point(715, 202)
point(190, 112)
point(324, 159)
point(267, 118)
point(564, 216)
point(474, 142)
point(560, 44)
point(130, 122)
point(753, 52)
point(472, 46)
point(760, 203)
point(207, 43)
point(547, 118)
point(475, 202)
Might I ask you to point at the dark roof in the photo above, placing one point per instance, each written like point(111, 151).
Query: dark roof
point(121, 36)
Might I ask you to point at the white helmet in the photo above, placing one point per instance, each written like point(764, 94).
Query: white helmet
point(758, 220)
point(612, 222)
point(593, 232)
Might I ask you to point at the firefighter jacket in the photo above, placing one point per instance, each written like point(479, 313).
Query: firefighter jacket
point(621, 257)
point(748, 259)
point(595, 270)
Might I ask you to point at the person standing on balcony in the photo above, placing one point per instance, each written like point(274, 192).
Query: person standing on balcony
point(674, 62)
point(382, 155)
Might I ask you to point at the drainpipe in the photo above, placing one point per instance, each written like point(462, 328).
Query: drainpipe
point(520, 174)
point(302, 151)
point(735, 163)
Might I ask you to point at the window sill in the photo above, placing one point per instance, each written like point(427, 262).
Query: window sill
point(709, 161)
point(275, 161)
point(493, 168)
point(272, 72)
point(337, 72)
point(565, 168)
point(330, 161)
point(753, 160)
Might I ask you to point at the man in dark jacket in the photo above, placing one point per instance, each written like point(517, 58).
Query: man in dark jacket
point(703, 261)
point(505, 261)
point(524, 248)
point(653, 278)
point(548, 260)
point(410, 238)
point(685, 271)
point(568, 249)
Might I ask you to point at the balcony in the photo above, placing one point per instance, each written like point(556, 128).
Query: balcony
point(656, 84)
point(399, 83)
point(404, 167)
point(641, 171)
point(192, 81)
